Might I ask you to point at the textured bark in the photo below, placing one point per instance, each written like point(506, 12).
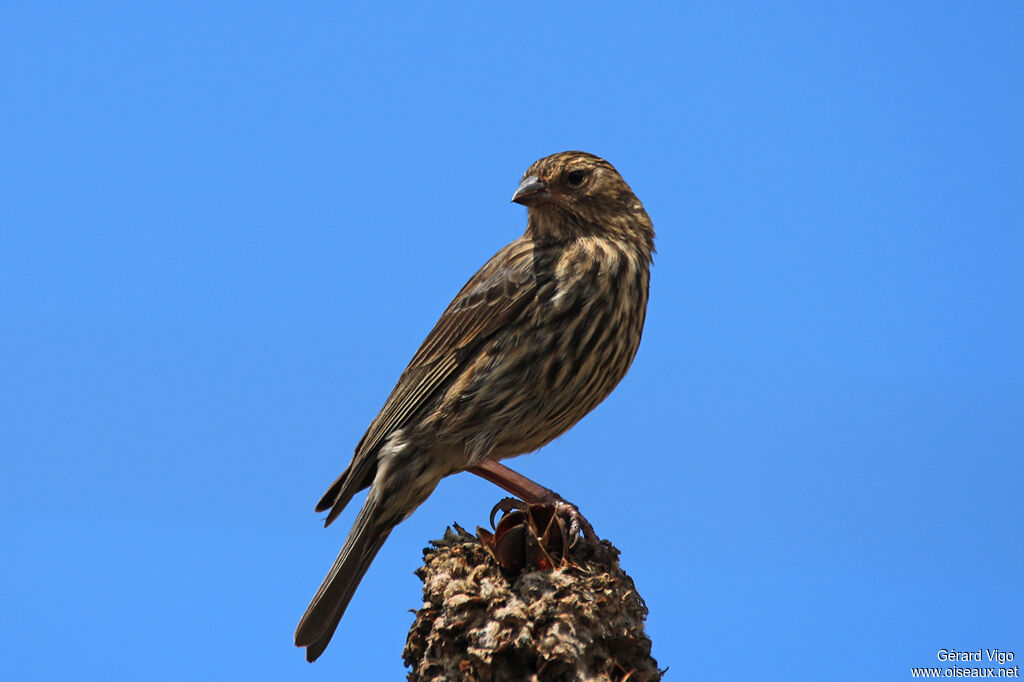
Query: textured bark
point(583, 620)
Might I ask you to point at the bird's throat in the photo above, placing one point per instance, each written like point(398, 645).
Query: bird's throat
point(548, 224)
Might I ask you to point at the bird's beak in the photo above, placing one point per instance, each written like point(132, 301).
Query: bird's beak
point(531, 191)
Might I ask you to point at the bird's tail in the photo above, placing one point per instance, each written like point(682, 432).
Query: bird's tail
point(370, 530)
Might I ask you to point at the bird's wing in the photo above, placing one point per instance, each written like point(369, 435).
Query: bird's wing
point(496, 294)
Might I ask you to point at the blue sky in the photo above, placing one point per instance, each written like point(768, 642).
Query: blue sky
point(225, 228)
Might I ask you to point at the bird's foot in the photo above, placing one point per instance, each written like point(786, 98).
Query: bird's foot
point(534, 494)
point(577, 522)
point(562, 508)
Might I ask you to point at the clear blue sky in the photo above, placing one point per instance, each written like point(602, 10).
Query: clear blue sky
point(225, 228)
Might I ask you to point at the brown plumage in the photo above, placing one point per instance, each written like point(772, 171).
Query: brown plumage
point(533, 342)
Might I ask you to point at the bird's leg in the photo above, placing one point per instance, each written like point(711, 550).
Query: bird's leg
point(534, 493)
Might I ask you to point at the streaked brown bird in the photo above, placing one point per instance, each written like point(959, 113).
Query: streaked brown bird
point(533, 342)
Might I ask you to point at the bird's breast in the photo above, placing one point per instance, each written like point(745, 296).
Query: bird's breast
point(581, 340)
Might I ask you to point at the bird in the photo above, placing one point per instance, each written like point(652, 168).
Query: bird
point(535, 339)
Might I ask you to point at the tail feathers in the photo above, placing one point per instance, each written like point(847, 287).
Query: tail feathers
point(358, 476)
point(321, 619)
point(331, 496)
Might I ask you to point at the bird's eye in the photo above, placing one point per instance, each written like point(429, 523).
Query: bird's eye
point(576, 177)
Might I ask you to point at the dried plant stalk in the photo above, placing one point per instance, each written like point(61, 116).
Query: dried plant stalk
point(582, 620)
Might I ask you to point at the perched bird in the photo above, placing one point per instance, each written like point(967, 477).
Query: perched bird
point(533, 342)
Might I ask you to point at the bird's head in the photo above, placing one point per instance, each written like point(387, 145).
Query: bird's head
point(575, 193)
